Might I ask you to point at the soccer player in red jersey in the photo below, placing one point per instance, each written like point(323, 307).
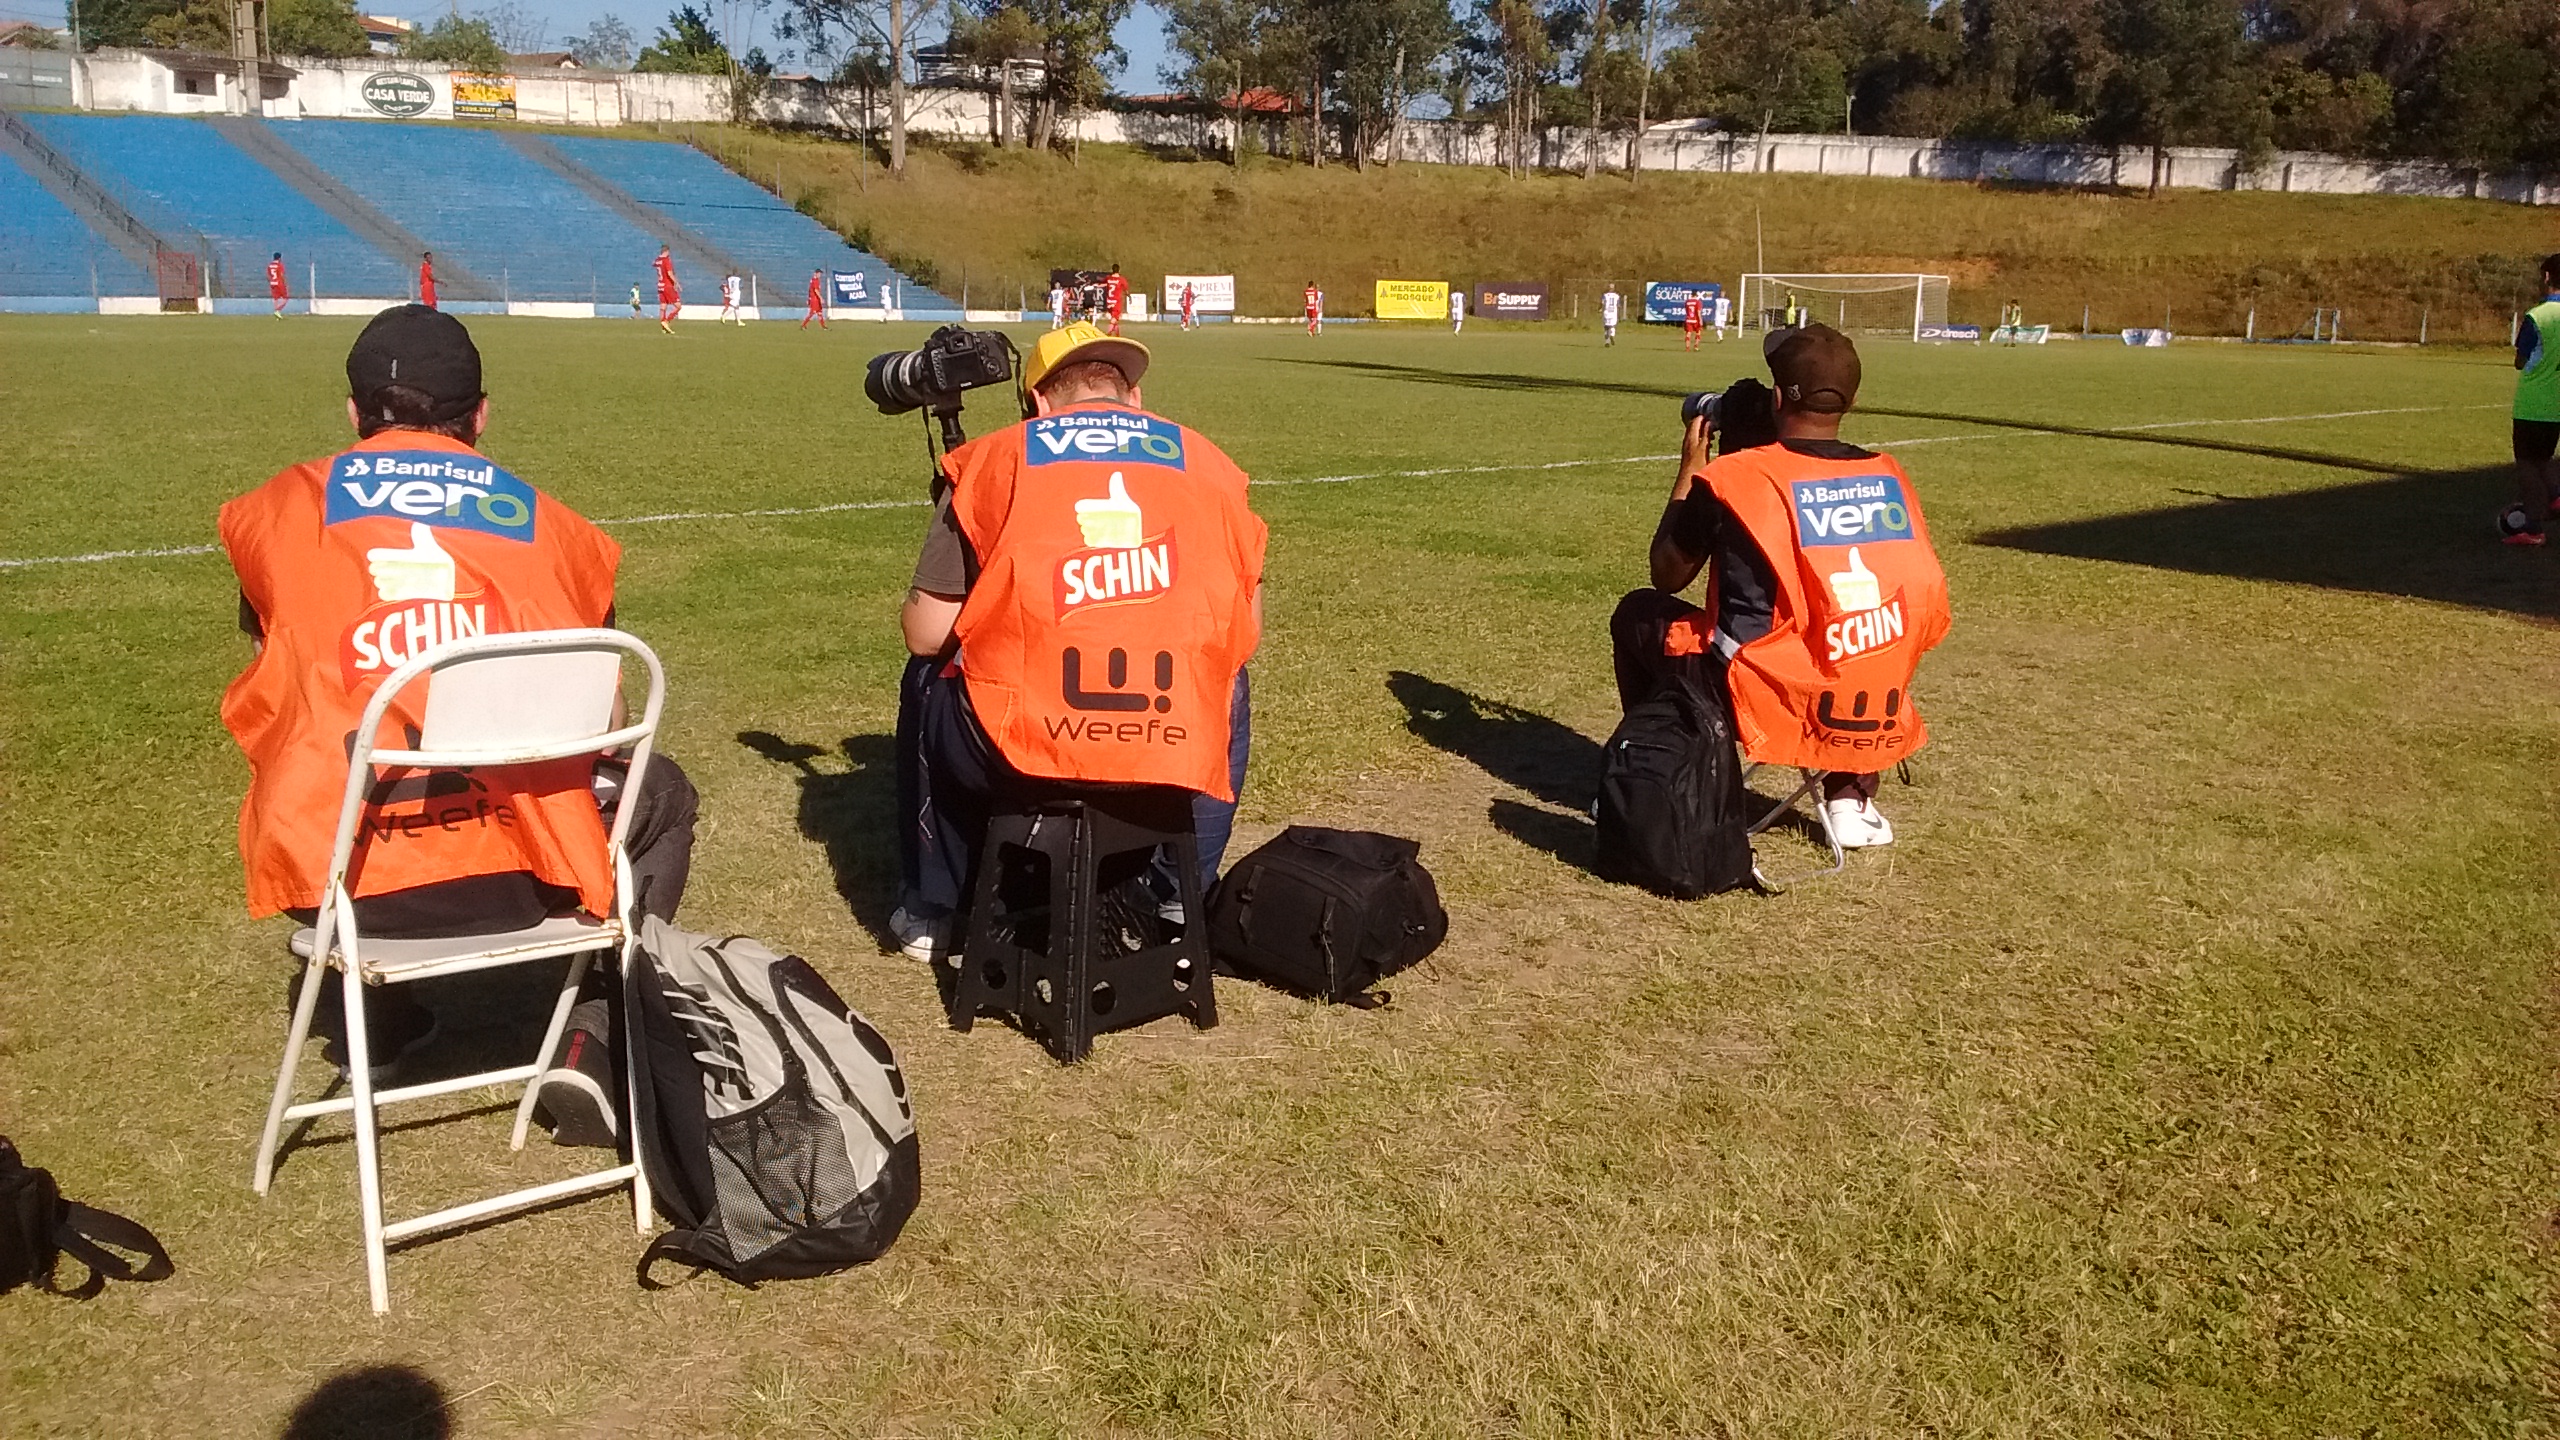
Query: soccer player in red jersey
point(1190, 309)
point(1315, 309)
point(1693, 318)
point(427, 278)
point(670, 298)
point(275, 283)
point(1115, 296)
point(817, 300)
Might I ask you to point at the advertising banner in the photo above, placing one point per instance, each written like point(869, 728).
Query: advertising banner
point(848, 287)
point(1413, 300)
point(2022, 334)
point(2146, 339)
point(1951, 332)
point(483, 97)
point(1512, 300)
point(1210, 294)
point(400, 96)
point(1666, 302)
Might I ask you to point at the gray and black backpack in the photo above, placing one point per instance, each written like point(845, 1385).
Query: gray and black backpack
point(773, 1123)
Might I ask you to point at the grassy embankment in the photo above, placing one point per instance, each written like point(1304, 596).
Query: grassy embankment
point(999, 220)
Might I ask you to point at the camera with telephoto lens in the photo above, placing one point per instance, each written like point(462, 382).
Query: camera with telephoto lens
point(933, 375)
point(1743, 414)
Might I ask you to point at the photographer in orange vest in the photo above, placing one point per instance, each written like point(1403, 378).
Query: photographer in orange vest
point(1092, 582)
point(352, 565)
point(1823, 590)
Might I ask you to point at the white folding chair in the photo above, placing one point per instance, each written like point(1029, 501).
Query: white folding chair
point(493, 700)
point(1810, 783)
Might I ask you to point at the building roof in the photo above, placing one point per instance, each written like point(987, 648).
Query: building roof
point(1261, 100)
point(544, 60)
point(28, 35)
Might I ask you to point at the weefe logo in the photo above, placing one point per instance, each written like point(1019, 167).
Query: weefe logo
point(1114, 697)
point(1856, 509)
point(1115, 436)
point(450, 492)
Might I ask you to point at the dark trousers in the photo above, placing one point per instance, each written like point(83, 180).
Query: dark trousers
point(958, 772)
point(1638, 633)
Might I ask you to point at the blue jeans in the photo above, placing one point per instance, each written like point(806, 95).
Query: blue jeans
point(957, 770)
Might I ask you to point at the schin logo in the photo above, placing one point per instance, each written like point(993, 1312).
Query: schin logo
point(715, 1044)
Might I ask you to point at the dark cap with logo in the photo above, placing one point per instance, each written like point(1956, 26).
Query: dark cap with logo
point(421, 348)
point(1816, 368)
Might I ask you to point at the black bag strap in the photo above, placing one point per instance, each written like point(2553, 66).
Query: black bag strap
point(676, 1246)
point(84, 1232)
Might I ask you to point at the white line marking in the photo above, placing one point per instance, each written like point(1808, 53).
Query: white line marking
point(97, 557)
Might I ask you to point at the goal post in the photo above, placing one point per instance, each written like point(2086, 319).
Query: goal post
point(1901, 304)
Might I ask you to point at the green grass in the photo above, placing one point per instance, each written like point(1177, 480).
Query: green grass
point(2184, 1071)
point(2201, 260)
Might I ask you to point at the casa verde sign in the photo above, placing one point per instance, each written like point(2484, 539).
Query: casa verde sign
point(398, 96)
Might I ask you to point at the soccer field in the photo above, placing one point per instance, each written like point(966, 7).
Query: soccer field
point(2184, 1070)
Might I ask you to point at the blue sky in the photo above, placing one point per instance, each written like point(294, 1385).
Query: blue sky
point(1142, 34)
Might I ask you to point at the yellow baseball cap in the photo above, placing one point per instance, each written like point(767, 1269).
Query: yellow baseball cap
point(1082, 341)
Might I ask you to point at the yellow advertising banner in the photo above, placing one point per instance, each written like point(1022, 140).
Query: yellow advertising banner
point(1413, 299)
point(484, 97)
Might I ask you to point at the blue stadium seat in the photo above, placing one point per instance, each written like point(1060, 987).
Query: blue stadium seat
point(472, 197)
point(46, 251)
point(717, 203)
point(181, 174)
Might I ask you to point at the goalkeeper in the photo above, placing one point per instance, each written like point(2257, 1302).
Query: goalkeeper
point(2537, 415)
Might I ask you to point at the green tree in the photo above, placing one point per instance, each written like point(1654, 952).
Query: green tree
point(608, 44)
point(2182, 75)
point(687, 46)
point(1216, 50)
point(463, 44)
point(326, 29)
point(199, 25)
point(996, 39)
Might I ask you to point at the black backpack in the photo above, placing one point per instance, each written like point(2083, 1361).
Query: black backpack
point(1327, 913)
point(774, 1123)
point(38, 1227)
point(1672, 815)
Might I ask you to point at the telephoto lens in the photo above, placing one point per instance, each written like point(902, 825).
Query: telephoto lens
point(1703, 404)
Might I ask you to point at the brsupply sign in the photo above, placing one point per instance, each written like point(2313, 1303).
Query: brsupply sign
point(849, 287)
point(484, 97)
point(399, 96)
point(1666, 302)
point(1210, 294)
point(1413, 299)
point(1511, 300)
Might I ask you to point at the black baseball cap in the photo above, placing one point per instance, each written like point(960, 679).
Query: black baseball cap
point(1816, 368)
point(422, 348)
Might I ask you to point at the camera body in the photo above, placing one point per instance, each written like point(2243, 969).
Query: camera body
point(933, 375)
point(1743, 413)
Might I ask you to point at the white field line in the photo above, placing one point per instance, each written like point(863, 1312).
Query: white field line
point(99, 557)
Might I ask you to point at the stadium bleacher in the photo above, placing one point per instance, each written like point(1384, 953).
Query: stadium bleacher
point(181, 175)
point(749, 222)
point(473, 198)
point(523, 229)
point(46, 252)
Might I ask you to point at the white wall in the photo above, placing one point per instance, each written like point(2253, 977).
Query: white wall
point(132, 80)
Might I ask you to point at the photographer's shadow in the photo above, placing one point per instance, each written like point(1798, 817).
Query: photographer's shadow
point(1545, 757)
point(851, 811)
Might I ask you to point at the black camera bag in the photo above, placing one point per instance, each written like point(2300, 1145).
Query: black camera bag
point(1672, 817)
point(38, 1227)
point(1327, 913)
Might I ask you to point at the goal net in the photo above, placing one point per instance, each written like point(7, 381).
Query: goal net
point(1896, 304)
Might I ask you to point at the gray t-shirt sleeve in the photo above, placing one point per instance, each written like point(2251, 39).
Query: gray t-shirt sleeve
point(945, 566)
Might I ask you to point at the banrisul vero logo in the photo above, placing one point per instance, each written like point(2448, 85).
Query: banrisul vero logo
point(397, 95)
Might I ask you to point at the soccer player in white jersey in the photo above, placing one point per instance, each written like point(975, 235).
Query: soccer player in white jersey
point(731, 290)
point(1609, 316)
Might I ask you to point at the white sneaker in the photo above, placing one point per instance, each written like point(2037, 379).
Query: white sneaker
point(919, 938)
point(1857, 823)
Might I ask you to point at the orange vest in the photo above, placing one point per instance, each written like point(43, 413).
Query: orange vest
point(1114, 601)
point(1860, 599)
point(355, 564)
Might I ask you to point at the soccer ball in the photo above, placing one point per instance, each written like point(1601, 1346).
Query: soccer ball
point(2512, 521)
